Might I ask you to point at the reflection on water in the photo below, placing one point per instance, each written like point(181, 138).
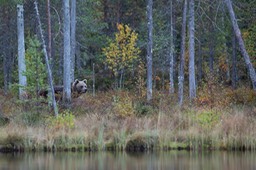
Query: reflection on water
point(125, 161)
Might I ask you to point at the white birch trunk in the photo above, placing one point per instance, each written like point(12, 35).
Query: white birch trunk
point(241, 43)
point(73, 39)
point(171, 90)
point(182, 54)
point(234, 62)
point(47, 62)
point(21, 52)
point(149, 49)
point(192, 79)
point(67, 58)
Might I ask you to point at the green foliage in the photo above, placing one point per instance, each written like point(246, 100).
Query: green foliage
point(208, 119)
point(142, 109)
point(35, 68)
point(123, 105)
point(120, 138)
point(91, 30)
point(31, 118)
point(249, 36)
point(122, 51)
point(65, 120)
point(11, 2)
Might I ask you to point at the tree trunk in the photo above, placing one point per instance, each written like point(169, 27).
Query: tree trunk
point(78, 59)
point(211, 42)
point(73, 39)
point(234, 62)
point(121, 78)
point(225, 48)
point(5, 66)
point(171, 90)
point(149, 49)
point(93, 80)
point(67, 58)
point(8, 57)
point(200, 60)
point(21, 51)
point(192, 80)
point(49, 71)
point(241, 44)
point(49, 30)
point(49, 27)
point(182, 54)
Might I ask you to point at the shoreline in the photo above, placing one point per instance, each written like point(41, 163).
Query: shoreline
point(120, 121)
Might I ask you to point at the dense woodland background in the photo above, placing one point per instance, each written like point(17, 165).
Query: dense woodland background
point(217, 55)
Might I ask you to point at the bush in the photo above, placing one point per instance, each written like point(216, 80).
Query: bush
point(242, 95)
point(65, 120)
point(142, 108)
point(123, 106)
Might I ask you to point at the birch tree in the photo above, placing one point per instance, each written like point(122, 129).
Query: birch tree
point(46, 61)
point(149, 48)
point(67, 58)
point(171, 90)
point(241, 43)
point(182, 54)
point(73, 38)
point(21, 51)
point(234, 62)
point(191, 27)
point(49, 30)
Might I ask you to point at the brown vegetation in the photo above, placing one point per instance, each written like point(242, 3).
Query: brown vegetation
point(119, 120)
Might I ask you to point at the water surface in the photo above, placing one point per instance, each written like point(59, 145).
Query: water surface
point(176, 160)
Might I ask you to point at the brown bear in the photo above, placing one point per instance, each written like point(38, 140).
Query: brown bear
point(77, 88)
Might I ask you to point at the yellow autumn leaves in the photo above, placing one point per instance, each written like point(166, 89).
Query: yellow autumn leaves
point(121, 51)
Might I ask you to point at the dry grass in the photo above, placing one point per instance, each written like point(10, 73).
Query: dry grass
point(119, 120)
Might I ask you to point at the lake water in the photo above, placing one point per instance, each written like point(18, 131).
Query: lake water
point(176, 160)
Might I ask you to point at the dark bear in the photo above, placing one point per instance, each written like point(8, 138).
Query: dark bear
point(77, 88)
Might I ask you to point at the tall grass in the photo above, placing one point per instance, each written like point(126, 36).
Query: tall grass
point(96, 123)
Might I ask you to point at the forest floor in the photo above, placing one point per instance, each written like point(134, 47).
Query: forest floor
point(123, 120)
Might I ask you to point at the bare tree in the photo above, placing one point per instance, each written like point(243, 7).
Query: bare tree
point(234, 62)
point(67, 58)
point(21, 51)
point(182, 53)
point(49, 30)
point(46, 61)
point(192, 79)
point(171, 90)
point(149, 48)
point(241, 43)
point(73, 38)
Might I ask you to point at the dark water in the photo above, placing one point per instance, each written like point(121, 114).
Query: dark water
point(178, 160)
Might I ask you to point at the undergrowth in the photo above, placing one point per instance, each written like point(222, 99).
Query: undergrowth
point(122, 120)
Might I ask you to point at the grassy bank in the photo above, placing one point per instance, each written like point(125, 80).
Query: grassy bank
point(123, 121)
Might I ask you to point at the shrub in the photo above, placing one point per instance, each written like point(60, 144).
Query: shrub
point(242, 95)
point(123, 106)
point(65, 120)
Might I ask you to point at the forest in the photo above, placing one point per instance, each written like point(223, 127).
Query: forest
point(166, 74)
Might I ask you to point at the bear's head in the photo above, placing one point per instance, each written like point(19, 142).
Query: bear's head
point(79, 86)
